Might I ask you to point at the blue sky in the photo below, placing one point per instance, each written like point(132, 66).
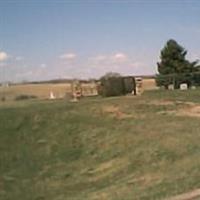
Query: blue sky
point(46, 39)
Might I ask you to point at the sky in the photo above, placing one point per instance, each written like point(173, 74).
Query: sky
point(50, 39)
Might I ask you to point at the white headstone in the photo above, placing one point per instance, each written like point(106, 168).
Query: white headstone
point(193, 87)
point(183, 86)
point(52, 95)
point(171, 87)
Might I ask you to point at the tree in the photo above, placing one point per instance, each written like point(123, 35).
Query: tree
point(173, 65)
point(111, 74)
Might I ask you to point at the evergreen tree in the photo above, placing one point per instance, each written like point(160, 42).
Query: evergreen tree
point(173, 66)
point(173, 59)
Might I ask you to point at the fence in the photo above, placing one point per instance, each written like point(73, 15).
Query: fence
point(191, 79)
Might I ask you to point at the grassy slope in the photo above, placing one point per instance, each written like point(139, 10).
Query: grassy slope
point(60, 150)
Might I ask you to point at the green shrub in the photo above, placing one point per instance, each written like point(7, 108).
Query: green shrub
point(116, 86)
point(112, 86)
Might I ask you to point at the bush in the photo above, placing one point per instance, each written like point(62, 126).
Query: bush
point(116, 86)
point(112, 86)
point(25, 97)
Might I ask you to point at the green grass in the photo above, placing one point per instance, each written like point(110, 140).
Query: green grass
point(122, 148)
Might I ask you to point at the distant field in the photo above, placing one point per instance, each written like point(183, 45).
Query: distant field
point(42, 91)
point(130, 148)
point(149, 84)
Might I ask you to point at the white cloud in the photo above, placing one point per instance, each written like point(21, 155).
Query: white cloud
point(193, 56)
point(19, 58)
point(119, 57)
point(116, 62)
point(3, 64)
point(3, 56)
point(110, 59)
point(43, 65)
point(25, 74)
point(137, 64)
point(88, 67)
point(68, 56)
point(99, 58)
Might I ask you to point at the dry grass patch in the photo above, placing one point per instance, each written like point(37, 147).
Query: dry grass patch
point(105, 169)
point(161, 102)
point(115, 111)
point(188, 109)
point(191, 111)
point(193, 195)
point(122, 188)
point(42, 91)
point(149, 84)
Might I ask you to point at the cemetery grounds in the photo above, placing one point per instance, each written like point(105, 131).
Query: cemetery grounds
point(133, 147)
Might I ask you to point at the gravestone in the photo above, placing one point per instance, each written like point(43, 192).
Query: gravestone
point(193, 87)
point(171, 87)
point(51, 96)
point(183, 86)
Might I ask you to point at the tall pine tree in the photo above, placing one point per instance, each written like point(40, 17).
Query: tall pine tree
point(173, 65)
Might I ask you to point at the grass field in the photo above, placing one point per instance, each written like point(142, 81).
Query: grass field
point(42, 91)
point(60, 90)
point(123, 148)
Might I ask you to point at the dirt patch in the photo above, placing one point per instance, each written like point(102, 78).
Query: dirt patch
point(115, 111)
point(192, 111)
point(189, 103)
point(187, 196)
point(145, 180)
point(168, 102)
point(161, 103)
point(110, 109)
point(189, 109)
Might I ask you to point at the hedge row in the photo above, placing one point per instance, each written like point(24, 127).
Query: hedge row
point(116, 86)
